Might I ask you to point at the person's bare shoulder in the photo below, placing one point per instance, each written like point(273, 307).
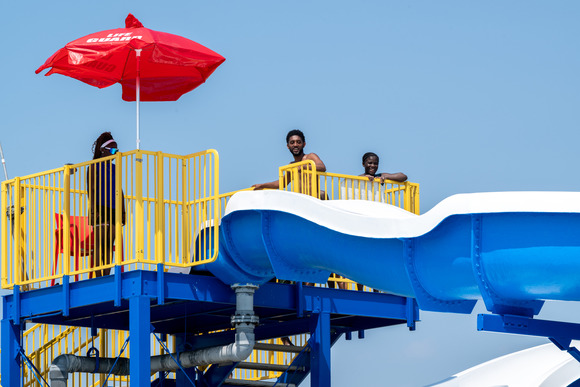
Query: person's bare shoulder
point(311, 156)
point(320, 167)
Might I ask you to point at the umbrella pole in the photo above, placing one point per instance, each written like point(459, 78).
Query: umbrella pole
point(138, 96)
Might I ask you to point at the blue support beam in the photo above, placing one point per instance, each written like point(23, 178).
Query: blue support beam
point(65, 296)
point(140, 333)
point(303, 362)
point(118, 285)
point(17, 305)
point(216, 374)
point(412, 313)
point(367, 304)
point(520, 325)
point(160, 283)
point(320, 349)
point(559, 333)
point(10, 363)
point(181, 379)
point(564, 345)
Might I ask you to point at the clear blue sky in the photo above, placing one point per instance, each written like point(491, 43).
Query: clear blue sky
point(462, 96)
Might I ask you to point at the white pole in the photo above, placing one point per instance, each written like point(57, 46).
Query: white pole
point(138, 54)
point(3, 162)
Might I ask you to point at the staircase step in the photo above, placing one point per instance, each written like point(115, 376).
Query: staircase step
point(278, 347)
point(267, 367)
point(255, 383)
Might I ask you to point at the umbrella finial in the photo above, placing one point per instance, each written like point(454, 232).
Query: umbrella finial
point(132, 22)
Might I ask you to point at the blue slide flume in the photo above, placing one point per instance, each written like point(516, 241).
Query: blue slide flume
point(512, 249)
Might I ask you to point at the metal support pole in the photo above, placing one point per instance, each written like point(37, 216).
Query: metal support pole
point(139, 223)
point(320, 345)
point(412, 313)
point(138, 94)
point(140, 332)
point(10, 363)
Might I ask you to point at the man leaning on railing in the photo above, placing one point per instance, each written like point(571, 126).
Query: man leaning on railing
point(295, 141)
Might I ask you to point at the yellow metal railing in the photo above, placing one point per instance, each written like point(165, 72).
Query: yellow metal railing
point(48, 230)
point(303, 178)
point(300, 177)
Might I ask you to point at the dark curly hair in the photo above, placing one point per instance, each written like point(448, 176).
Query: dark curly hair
point(295, 132)
point(103, 138)
point(370, 154)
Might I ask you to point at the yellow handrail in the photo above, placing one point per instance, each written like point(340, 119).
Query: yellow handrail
point(303, 178)
point(167, 199)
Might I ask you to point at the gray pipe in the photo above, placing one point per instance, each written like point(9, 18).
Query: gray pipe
point(65, 364)
point(244, 320)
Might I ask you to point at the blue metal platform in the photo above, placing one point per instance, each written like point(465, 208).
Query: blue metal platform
point(192, 306)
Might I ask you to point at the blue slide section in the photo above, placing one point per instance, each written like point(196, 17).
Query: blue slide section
point(513, 250)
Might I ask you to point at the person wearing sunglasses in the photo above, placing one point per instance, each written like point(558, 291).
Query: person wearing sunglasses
point(101, 179)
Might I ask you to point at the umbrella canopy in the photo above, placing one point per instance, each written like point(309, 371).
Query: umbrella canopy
point(170, 65)
point(150, 65)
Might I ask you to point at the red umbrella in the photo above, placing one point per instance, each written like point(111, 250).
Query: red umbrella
point(149, 65)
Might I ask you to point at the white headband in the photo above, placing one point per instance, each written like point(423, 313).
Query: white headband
point(107, 143)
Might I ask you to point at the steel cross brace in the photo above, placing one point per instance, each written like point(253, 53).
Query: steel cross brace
point(564, 345)
point(560, 333)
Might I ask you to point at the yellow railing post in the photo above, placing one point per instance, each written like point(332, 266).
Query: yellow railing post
point(407, 197)
point(17, 240)
point(185, 234)
point(295, 179)
point(314, 186)
point(118, 208)
point(195, 212)
point(303, 176)
point(139, 221)
point(4, 230)
point(160, 213)
point(216, 205)
point(66, 222)
point(19, 214)
point(416, 200)
point(281, 178)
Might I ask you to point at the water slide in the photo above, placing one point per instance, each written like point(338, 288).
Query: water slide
point(541, 366)
point(512, 249)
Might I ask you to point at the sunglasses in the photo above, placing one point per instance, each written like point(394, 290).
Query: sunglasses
point(112, 150)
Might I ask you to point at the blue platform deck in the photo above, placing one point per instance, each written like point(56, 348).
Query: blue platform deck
point(198, 304)
point(192, 306)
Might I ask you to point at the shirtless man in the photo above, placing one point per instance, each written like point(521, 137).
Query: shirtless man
point(295, 142)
